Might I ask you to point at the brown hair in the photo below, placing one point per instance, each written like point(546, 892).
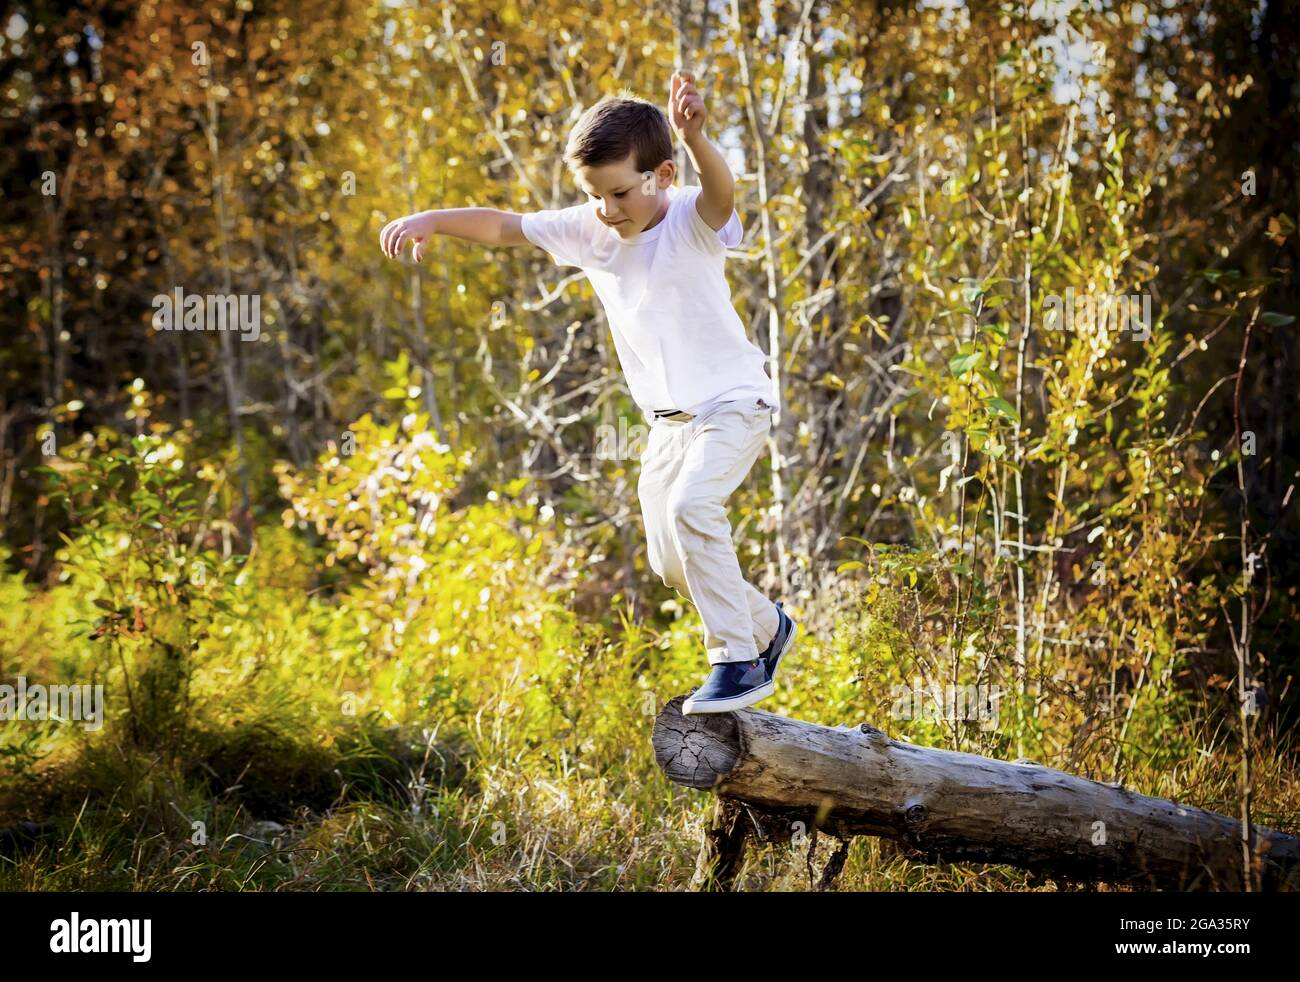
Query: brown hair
point(616, 126)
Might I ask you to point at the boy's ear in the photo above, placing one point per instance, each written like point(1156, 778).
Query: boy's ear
point(654, 181)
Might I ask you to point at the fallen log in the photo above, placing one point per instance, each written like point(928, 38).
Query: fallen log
point(946, 806)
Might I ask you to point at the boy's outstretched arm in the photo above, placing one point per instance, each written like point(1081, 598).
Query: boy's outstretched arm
point(718, 189)
point(487, 226)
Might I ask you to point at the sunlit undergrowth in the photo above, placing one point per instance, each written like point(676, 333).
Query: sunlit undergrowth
point(389, 694)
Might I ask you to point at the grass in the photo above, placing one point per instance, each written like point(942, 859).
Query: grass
point(366, 804)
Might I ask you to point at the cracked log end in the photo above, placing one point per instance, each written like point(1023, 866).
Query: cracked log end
point(698, 750)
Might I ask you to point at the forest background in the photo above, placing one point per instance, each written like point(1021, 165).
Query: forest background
point(367, 592)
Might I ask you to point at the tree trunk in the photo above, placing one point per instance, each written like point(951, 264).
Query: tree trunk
point(945, 806)
point(723, 848)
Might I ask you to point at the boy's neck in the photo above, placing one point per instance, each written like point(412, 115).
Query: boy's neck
point(661, 209)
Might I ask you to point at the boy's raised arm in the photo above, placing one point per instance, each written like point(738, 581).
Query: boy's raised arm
point(487, 226)
point(717, 197)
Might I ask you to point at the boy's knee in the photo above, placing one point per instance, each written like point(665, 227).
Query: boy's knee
point(670, 572)
point(676, 581)
point(695, 514)
point(664, 565)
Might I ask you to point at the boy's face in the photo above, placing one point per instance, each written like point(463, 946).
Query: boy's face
point(627, 200)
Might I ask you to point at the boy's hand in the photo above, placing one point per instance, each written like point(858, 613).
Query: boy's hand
point(685, 106)
point(417, 228)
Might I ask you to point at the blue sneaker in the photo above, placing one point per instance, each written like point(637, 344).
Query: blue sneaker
point(730, 685)
point(786, 630)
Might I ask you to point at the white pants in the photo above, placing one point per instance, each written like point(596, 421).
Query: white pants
point(688, 470)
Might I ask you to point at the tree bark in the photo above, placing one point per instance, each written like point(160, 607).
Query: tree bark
point(945, 806)
point(775, 302)
point(723, 848)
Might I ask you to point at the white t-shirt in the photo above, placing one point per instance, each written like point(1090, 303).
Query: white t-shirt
point(680, 343)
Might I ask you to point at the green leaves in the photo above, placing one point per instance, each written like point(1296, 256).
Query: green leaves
point(962, 362)
point(999, 407)
point(1214, 275)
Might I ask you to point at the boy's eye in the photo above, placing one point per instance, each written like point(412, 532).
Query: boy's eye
point(620, 194)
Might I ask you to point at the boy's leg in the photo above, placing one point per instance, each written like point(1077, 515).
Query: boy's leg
point(660, 464)
point(762, 614)
point(717, 454)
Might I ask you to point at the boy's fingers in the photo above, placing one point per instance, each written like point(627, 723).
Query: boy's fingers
point(391, 232)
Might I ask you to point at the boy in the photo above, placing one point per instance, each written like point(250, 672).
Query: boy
point(654, 254)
